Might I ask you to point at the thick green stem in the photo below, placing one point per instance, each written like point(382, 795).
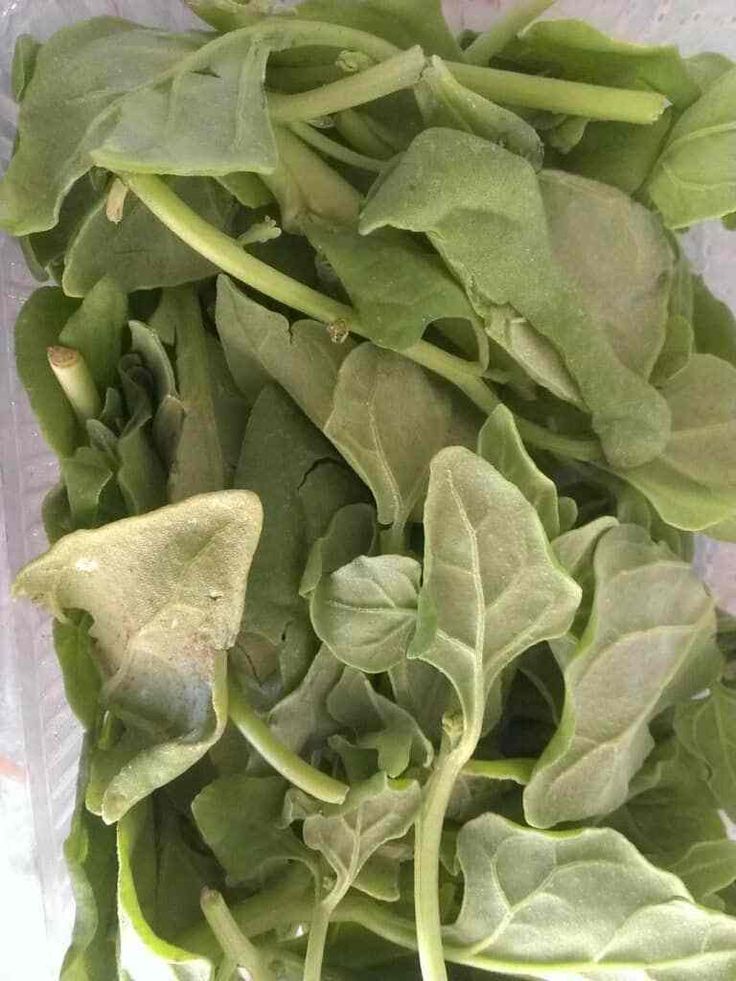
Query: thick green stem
point(556, 95)
point(356, 129)
point(503, 30)
point(396, 73)
point(73, 375)
point(331, 148)
point(319, 926)
point(287, 763)
point(234, 943)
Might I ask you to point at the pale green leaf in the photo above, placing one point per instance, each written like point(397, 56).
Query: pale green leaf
point(707, 727)
point(351, 533)
point(96, 331)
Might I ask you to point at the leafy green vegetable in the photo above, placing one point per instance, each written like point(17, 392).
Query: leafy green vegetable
point(624, 910)
point(183, 603)
point(693, 179)
point(81, 75)
point(493, 254)
point(366, 612)
point(586, 769)
point(707, 727)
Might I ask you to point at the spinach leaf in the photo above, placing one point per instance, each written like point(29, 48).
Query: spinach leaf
point(366, 612)
point(166, 594)
point(707, 727)
point(198, 465)
point(25, 56)
point(403, 22)
point(259, 344)
point(209, 117)
point(239, 818)
point(89, 852)
point(396, 286)
point(691, 483)
point(139, 252)
point(82, 678)
point(38, 327)
point(374, 388)
point(143, 952)
point(445, 102)
point(504, 254)
point(96, 330)
point(302, 720)
point(500, 444)
point(594, 901)
point(575, 50)
point(616, 253)
point(587, 767)
point(281, 452)
point(351, 533)
point(620, 154)
point(81, 74)
point(693, 178)
point(379, 724)
point(714, 325)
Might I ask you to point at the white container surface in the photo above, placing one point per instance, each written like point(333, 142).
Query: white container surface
point(39, 740)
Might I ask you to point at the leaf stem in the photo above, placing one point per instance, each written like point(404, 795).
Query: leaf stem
point(518, 770)
point(287, 763)
point(558, 96)
point(355, 128)
point(331, 148)
point(72, 373)
point(504, 30)
point(398, 72)
point(234, 943)
point(319, 926)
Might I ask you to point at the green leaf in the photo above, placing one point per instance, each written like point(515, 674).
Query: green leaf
point(573, 49)
point(396, 286)
point(143, 954)
point(231, 408)
point(619, 154)
point(693, 179)
point(366, 612)
point(374, 812)
point(707, 67)
point(616, 253)
point(302, 359)
point(490, 227)
point(380, 724)
point(247, 189)
point(141, 474)
point(209, 117)
point(96, 331)
point(82, 679)
point(282, 455)
point(597, 906)
point(672, 818)
point(39, 324)
point(692, 483)
point(374, 389)
point(140, 252)
point(492, 587)
point(227, 15)
point(648, 604)
point(80, 77)
point(198, 465)
point(403, 22)
point(25, 56)
point(707, 727)
point(351, 533)
point(89, 852)
point(445, 102)
point(166, 594)
point(500, 444)
point(714, 325)
point(301, 720)
point(91, 487)
point(239, 818)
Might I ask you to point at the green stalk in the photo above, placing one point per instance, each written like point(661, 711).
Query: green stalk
point(319, 926)
point(399, 72)
point(234, 943)
point(354, 128)
point(337, 151)
point(556, 95)
point(504, 30)
point(292, 767)
point(72, 373)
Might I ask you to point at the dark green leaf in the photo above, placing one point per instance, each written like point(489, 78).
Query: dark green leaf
point(96, 331)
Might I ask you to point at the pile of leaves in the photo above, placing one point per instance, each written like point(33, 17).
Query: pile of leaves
point(386, 405)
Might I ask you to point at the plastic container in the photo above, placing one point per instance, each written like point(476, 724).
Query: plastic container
point(39, 740)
